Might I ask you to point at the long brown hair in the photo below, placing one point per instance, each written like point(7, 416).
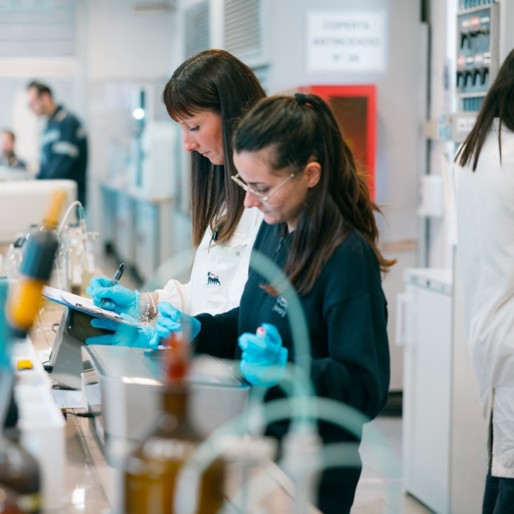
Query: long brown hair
point(498, 103)
point(297, 129)
point(213, 80)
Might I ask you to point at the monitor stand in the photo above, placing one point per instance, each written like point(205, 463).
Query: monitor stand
point(66, 358)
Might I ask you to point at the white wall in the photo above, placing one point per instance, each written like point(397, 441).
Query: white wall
point(125, 49)
point(125, 43)
point(400, 93)
point(442, 102)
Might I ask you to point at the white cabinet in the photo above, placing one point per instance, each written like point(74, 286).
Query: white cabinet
point(424, 327)
point(444, 433)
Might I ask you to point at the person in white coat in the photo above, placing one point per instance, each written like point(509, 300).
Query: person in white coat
point(206, 96)
point(484, 189)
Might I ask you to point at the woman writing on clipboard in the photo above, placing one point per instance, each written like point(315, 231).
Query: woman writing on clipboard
point(206, 96)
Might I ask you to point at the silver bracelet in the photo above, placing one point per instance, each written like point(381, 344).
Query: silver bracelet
point(149, 312)
point(153, 311)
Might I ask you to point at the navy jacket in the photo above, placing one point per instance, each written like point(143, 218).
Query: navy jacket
point(64, 150)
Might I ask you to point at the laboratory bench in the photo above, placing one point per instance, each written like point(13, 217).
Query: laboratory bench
point(91, 485)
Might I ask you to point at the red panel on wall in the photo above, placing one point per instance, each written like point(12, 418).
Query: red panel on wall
point(355, 110)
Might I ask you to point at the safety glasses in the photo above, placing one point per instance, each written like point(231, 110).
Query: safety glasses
point(263, 197)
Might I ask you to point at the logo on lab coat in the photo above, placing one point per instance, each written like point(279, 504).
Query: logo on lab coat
point(280, 307)
point(213, 279)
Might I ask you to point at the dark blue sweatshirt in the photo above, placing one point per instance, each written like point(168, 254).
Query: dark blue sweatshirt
point(346, 315)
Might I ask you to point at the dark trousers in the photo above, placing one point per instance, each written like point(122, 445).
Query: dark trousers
point(499, 491)
point(498, 495)
point(336, 490)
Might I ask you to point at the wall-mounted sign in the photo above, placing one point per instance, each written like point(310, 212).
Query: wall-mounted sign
point(346, 40)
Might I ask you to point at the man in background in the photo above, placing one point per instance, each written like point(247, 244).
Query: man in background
point(8, 156)
point(63, 143)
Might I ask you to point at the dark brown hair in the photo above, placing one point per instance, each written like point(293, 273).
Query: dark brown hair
point(213, 80)
point(498, 103)
point(297, 130)
point(39, 87)
point(10, 133)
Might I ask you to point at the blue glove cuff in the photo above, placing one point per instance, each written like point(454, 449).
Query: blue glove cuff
point(196, 326)
point(123, 335)
point(265, 374)
point(172, 320)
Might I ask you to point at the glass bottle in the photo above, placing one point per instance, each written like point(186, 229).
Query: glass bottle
point(74, 259)
point(13, 259)
point(88, 259)
point(80, 258)
point(8, 501)
point(19, 470)
point(151, 471)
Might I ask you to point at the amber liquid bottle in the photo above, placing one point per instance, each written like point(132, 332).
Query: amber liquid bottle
point(152, 470)
point(8, 501)
point(19, 470)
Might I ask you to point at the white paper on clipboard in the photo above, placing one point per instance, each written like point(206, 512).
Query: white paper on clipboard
point(86, 305)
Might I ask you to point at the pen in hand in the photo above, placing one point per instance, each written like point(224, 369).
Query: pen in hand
point(115, 280)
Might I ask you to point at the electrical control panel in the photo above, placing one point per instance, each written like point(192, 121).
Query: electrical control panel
point(477, 59)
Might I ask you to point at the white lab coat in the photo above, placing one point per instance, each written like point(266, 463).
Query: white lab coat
point(219, 271)
point(485, 224)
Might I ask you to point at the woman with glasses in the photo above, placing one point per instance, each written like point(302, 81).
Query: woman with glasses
point(207, 95)
point(319, 228)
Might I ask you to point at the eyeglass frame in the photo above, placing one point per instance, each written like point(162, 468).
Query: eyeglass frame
point(261, 196)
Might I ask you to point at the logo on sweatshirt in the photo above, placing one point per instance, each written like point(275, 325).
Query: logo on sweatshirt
point(280, 307)
point(213, 279)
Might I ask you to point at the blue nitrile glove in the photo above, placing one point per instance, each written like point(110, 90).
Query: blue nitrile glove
point(172, 320)
point(124, 335)
point(264, 358)
point(116, 298)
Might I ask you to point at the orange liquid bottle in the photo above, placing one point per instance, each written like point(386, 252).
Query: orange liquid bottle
point(152, 469)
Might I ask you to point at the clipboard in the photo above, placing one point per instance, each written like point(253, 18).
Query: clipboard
point(85, 305)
